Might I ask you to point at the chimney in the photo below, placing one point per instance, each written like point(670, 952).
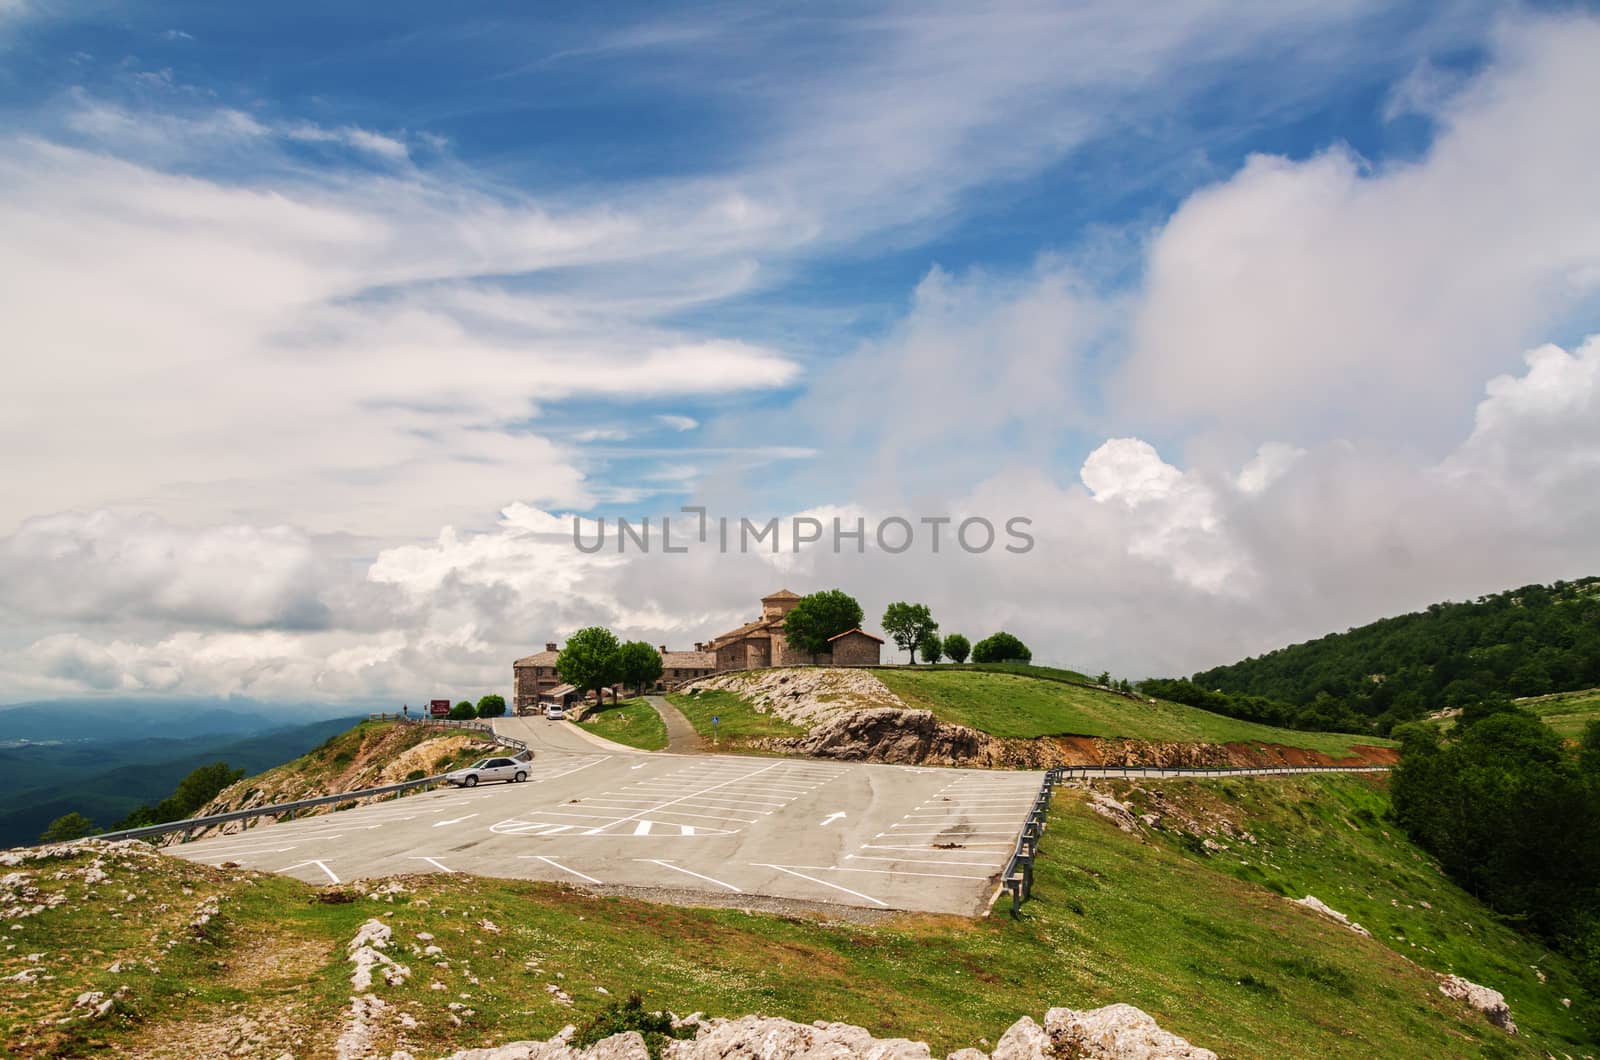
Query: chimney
point(550, 645)
point(663, 649)
point(699, 646)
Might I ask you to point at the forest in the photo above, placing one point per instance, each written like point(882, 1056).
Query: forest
point(1523, 642)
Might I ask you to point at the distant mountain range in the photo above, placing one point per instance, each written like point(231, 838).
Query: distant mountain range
point(103, 758)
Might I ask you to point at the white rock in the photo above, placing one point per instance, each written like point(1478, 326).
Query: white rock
point(780, 1039)
point(1491, 1003)
point(1116, 1032)
point(1318, 906)
point(1025, 1040)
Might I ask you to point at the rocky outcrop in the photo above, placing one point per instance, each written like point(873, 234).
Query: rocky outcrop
point(1316, 905)
point(1116, 1032)
point(805, 695)
point(1491, 1003)
point(917, 737)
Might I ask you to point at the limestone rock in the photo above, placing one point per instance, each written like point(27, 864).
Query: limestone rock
point(1116, 1032)
point(1316, 905)
point(1119, 814)
point(1491, 1003)
point(1025, 1040)
point(761, 1037)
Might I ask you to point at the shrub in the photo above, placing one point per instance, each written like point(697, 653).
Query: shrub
point(492, 706)
point(463, 711)
point(957, 648)
point(619, 1017)
point(1001, 647)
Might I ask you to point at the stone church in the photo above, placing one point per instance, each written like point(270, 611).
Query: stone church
point(760, 644)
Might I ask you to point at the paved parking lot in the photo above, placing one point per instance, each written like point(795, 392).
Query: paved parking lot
point(874, 836)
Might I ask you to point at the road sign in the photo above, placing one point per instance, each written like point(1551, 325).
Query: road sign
point(439, 708)
point(715, 718)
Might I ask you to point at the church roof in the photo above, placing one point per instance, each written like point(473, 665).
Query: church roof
point(538, 658)
point(781, 594)
point(859, 630)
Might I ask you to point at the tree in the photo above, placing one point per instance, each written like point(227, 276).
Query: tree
point(463, 711)
point(1001, 647)
point(492, 706)
point(909, 625)
point(638, 664)
point(591, 661)
point(1104, 678)
point(957, 648)
point(819, 617)
point(200, 787)
point(68, 826)
point(931, 649)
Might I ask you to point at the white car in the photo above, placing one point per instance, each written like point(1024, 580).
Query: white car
point(510, 770)
point(556, 713)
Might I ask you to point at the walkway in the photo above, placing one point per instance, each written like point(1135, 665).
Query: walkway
point(681, 737)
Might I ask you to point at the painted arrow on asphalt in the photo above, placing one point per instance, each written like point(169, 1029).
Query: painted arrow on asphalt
point(832, 817)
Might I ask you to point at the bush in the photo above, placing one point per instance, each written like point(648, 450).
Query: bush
point(68, 826)
point(1000, 647)
point(619, 1017)
point(463, 711)
point(492, 706)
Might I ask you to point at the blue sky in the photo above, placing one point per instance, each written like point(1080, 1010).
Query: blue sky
point(326, 316)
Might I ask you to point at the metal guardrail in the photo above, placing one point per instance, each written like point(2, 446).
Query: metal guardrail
point(289, 809)
point(1017, 879)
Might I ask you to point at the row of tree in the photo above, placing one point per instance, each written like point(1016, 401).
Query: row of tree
point(490, 706)
point(914, 632)
point(593, 660)
point(193, 791)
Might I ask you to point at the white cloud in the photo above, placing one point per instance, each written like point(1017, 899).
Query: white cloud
point(1304, 299)
point(678, 423)
point(1271, 462)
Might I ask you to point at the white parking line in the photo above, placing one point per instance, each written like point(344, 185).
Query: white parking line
point(891, 872)
point(318, 864)
point(563, 868)
point(824, 883)
point(921, 861)
point(454, 820)
point(435, 863)
point(689, 872)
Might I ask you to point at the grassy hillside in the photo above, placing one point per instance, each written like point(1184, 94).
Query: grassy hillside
point(633, 722)
point(737, 721)
point(370, 754)
point(1524, 642)
point(1147, 919)
point(1018, 704)
point(106, 780)
point(1568, 713)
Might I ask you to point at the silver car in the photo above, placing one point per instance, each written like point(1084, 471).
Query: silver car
point(510, 770)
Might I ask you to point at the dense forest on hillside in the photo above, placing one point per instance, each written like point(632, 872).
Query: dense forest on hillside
point(1523, 642)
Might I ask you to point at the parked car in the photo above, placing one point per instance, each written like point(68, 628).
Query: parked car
point(556, 712)
point(510, 770)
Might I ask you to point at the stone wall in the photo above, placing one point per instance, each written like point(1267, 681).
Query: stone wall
point(856, 649)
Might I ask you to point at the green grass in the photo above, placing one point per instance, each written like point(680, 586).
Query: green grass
point(1011, 704)
point(1210, 952)
point(738, 722)
point(633, 722)
point(1568, 713)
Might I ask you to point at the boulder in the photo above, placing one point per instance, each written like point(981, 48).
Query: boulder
point(1491, 1003)
point(1116, 1032)
point(1316, 905)
point(779, 1039)
point(1025, 1040)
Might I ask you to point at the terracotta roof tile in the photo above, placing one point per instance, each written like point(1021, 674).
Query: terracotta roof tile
point(859, 630)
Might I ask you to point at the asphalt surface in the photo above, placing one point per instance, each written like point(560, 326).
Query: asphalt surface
point(681, 736)
point(732, 828)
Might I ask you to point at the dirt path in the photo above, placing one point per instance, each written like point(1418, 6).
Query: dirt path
point(681, 737)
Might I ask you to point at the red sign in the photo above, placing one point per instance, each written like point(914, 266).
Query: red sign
point(439, 708)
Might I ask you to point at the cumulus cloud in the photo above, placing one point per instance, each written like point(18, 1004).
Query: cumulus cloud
point(1301, 299)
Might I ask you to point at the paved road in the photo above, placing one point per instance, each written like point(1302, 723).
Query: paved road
point(681, 737)
point(600, 815)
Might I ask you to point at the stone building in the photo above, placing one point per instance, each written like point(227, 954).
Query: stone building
point(534, 676)
point(680, 666)
point(855, 647)
point(762, 643)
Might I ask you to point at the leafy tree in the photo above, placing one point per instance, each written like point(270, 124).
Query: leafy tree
point(492, 706)
point(638, 664)
point(820, 616)
point(909, 625)
point(957, 648)
point(201, 786)
point(68, 826)
point(1104, 678)
point(591, 661)
point(1001, 647)
point(463, 711)
point(931, 649)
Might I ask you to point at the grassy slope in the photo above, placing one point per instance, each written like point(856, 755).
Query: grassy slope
point(1011, 704)
point(738, 721)
point(633, 722)
point(1213, 956)
point(1568, 713)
